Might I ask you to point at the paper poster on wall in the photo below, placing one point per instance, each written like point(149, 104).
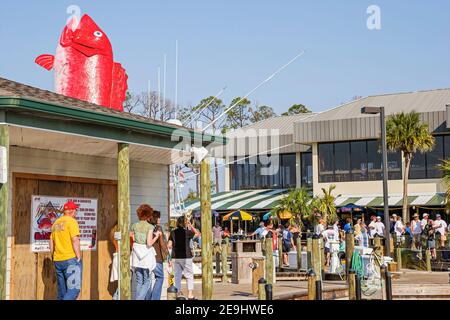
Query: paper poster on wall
point(45, 210)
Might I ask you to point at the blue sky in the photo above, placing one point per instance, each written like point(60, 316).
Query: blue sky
point(239, 43)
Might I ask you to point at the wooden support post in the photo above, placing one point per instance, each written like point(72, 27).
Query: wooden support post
point(378, 248)
point(299, 252)
point(269, 258)
point(123, 198)
point(315, 257)
point(224, 261)
point(280, 251)
point(349, 248)
point(312, 286)
point(4, 142)
point(428, 259)
point(309, 250)
point(398, 255)
point(262, 289)
point(352, 285)
point(322, 255)
point(206, 221)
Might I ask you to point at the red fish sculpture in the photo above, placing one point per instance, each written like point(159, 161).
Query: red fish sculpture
point(84, 66)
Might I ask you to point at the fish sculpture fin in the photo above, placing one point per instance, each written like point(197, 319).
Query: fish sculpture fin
point(45, 61)
point(119, 87)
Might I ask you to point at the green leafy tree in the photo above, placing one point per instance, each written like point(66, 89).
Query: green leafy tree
point(239, 115)
point(405, 132)
point(298, 203)
point(260, 113)
point(445, 166)
point(326, 204)
point(296, 109)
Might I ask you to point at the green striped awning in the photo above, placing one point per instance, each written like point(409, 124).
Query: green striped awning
point(431, 199)
point(242, 199)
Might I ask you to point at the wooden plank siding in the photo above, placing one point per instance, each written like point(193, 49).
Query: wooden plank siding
point(149, 184)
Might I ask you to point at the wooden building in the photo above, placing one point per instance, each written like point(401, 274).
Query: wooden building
point(59, 146)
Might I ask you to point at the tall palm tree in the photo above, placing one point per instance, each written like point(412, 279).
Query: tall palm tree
point(405, 132)
point(445, 166)
point(326, 205)
point(297, 202)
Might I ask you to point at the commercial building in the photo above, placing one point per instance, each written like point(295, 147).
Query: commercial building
point(337, 147)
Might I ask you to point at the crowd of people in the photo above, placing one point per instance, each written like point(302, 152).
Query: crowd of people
point(150, 248)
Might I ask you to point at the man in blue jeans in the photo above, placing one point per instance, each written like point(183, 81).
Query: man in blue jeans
point(66, 254)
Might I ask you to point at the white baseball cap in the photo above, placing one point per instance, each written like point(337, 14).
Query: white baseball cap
point(394, 215)
point(425, 215)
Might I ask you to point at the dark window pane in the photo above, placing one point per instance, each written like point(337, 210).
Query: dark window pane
point(434, 158)
point(447, 146)
point(417, 170)
point(395, 165)
point(342, 161)
point(373, 160)
point(306, 170)
point(358, 158)
point(288, 171)
point(326, 162)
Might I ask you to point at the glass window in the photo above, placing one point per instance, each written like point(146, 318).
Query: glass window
point(447, 146)
point(373, 160)
point(434, 158)
point(418, 167)
point(288, 171)
point(394, 165)
point(342, 161)
point(326, 162)
point(358, 159)
point(306, 170)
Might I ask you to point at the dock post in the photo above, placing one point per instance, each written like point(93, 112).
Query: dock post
point(269, 258)
point(280, 251)
point(352, 285)
point(398, 253)
point(206, 229)
point(309, 250)
point(319, 290)
point(268, 288)
point(311, 285)
point(224, 254)
point(299, 253)
point(315, 257)
point(262, 289)
point(387, 281)
point(428, 259)
point(349, 248)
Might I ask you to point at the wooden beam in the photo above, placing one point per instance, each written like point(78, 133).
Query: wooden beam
point(206, 230)
point(123, 197)
point(4, 141)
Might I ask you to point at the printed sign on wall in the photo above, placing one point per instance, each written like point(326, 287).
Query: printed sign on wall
point(45, 210)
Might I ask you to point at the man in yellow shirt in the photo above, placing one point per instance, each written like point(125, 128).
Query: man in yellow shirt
point(66, 254)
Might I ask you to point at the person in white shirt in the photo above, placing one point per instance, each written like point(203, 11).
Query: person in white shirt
point(424, 221)
point(320, 227)
point(399, 229)
point(328, 236)
point(379, 227)
point(416, 229)
point(372, 226)
point(441, 227)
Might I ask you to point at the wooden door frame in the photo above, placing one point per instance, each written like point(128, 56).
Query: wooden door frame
point(35, 176)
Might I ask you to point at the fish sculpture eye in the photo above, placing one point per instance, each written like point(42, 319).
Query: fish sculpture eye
point(98, 34)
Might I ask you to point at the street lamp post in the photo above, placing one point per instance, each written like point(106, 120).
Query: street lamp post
point(380, 110)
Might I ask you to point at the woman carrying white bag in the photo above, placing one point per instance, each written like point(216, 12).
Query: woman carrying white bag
point(143, 259)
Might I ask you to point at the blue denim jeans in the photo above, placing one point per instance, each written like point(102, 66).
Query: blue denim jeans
point(68, 278)
point(143, 283)
point(155, 293)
